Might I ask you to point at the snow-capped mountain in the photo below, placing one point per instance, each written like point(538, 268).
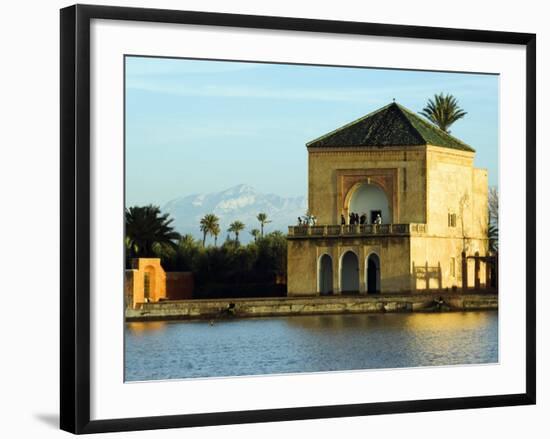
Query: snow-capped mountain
point(241, 203)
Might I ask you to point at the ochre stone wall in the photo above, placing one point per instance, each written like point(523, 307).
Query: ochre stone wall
point(135, 281)
point(480, 209)
point(129, 285)
point(302, 268)
point(454, 186)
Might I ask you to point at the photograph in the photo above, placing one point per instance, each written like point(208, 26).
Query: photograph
point(297, 218)
point(264, 219)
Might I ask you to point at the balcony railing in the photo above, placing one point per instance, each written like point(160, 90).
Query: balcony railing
point(356, 230)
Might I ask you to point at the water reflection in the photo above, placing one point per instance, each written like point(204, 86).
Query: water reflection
point(144, 328)
point(309, 343)
point(412, 321)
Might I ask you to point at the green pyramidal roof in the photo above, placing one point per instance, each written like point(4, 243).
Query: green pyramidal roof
point(392, 125)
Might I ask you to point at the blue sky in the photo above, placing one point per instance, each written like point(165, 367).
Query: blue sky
point(198, 126)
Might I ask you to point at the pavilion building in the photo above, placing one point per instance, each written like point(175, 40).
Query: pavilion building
point(421, 184)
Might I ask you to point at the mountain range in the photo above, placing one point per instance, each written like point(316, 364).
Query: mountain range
point(241, 203)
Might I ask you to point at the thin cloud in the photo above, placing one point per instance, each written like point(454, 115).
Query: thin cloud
point(368, 95)
point(254, 92)
point(159, 68)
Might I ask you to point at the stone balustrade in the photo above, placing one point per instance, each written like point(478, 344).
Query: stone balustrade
point(355, 230)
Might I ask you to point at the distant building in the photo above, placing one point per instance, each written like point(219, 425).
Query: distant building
point(424, 201)
point(147, 281)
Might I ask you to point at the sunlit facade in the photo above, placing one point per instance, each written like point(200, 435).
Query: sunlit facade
point(399, 207)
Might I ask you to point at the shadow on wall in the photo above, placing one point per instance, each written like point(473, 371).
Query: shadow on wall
point(426, 277)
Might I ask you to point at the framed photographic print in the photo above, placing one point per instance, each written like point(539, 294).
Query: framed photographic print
point(274, 218)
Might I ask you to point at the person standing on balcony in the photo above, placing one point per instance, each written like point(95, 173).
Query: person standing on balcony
point(363, 219)
point(378, 219)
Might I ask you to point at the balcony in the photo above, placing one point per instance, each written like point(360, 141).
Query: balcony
point(356, 230)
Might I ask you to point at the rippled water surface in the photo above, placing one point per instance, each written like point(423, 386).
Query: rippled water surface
point(308, 344)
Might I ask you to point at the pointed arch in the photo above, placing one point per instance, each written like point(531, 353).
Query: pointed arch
point(349, 272)
point(372, 273)
point(324, 275)
point(370, 199)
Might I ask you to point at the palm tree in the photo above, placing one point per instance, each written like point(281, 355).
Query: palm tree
point(208, 225)
point(131, 251)
point(262, 218)
point(131, 246)
point(236, 227)
point(443, 111)
point(147, 229)
point(215, 232)
point(255, 233)
point(187, 240)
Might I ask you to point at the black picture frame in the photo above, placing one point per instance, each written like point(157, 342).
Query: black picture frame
point(75, 217)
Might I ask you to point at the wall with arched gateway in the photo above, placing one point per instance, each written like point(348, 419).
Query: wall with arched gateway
point(304, 257)
point(161, 285)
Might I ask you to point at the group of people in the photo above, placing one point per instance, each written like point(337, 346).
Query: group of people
point(307, 220)
point(354, 219)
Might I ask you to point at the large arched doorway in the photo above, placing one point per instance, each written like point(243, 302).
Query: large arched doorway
point(349, 273)
point(370, 200)
point(373, 274)
point(325, 275)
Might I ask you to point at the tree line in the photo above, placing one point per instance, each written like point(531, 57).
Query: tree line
point(210, 225)
point(228, 270)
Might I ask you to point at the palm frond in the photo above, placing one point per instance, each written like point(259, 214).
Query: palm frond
point(443, 111)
